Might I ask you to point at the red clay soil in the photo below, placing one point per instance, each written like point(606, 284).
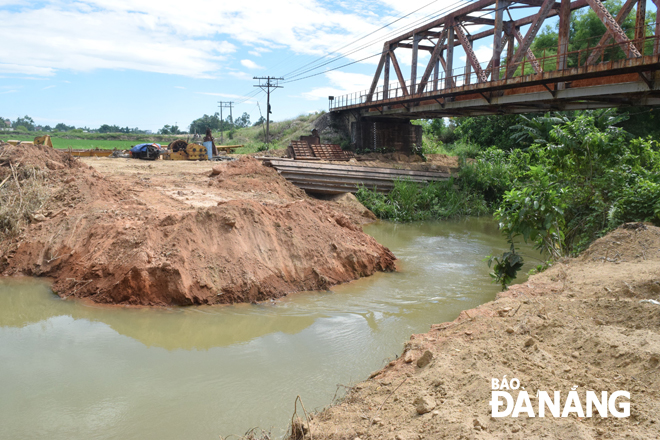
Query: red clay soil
point(130, 240)
point(586, 324)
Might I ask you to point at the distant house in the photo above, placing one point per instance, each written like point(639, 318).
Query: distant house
point(148, 131)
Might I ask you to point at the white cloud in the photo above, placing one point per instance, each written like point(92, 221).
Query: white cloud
point(167, 38)
point(49, 87)
point(222, 95)
point(241, 75)
point(26, 69)
point(250, 64)
point(340, 83)
point(180, 87)
point(254, 53)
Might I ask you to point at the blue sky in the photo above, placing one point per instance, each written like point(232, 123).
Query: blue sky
point(143, 63)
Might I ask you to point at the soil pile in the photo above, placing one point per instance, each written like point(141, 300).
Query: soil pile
point(129, 238)
point(584, 324)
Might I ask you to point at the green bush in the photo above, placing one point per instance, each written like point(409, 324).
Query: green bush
point(410, 201)
point(640, 202)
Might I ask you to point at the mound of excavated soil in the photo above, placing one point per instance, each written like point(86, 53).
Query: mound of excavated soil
point(247, 235)
point(579, 325)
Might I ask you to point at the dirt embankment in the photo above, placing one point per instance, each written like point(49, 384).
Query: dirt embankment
point(170, 233)
point(581, 325)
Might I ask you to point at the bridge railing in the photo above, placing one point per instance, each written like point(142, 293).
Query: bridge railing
point(547, 61)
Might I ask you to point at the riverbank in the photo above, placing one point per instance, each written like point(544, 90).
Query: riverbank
point(584, 324)
point(123, 231)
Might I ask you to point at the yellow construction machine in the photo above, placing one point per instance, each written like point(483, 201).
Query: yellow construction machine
point(182, 150)
point(43, 140)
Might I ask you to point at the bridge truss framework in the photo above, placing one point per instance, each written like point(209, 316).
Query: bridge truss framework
point(519, 81)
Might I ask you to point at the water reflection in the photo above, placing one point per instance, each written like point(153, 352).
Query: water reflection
point(70, 370)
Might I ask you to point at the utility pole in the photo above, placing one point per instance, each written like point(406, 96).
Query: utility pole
point(225, 104)
point(265, 84)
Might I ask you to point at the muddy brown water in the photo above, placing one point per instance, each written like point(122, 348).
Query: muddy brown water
point(70, 370)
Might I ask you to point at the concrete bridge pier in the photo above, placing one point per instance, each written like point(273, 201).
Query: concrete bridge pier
point(378, 134)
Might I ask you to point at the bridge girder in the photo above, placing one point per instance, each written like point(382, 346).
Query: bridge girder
point(486, 88)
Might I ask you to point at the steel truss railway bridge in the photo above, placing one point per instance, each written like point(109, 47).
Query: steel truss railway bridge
point(614, 71)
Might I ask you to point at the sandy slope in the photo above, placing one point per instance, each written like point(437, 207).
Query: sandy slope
point(580, 324)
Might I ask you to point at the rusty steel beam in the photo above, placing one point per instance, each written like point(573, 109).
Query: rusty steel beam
point(478, 20)
point(611, 24)
point(413, 64)
point(539, 18)
point(656, 44)
point(640, 25)
point(510, 44)
point(530, 55)
point(501, 5)
point(420, 46)
point(397, 69)
point(563, 37)
point(449, 79)
point(386, 76)
point(577, 4)
point(471, 56)
point(620, 17)
point(379, 69)
point(432, 64)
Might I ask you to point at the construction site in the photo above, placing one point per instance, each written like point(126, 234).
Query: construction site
point(378, 271)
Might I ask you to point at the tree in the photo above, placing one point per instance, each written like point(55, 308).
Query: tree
point(260, 121)
point(200, 125)
point(63, 127)
point(105, 128)
point(25, 121)
point(170, 129)
point(243, 121)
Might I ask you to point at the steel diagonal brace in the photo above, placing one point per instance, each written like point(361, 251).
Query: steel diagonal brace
point(399, 75)
point(623, 13)
point(530, 55)
point(472, 57)
point(611, 25)
point(531, 33)
point(379, 69)
point(435, 55)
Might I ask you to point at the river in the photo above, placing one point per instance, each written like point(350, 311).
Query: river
point(72, 370)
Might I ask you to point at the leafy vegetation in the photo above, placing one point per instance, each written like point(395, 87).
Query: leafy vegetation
point(558, 183)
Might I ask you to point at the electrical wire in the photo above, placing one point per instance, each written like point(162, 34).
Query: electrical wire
point(361, 38)
point(408, 27)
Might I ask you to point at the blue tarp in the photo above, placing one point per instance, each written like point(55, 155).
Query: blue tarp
point(140, 148)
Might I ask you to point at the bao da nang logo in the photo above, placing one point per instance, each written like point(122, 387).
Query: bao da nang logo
point(558, 405)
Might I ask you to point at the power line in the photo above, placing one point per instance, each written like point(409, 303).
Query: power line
point(266, 83)
point(362, 37)
point(225, 104)
point(438, 13)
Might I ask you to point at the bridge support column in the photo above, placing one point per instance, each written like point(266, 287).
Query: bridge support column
point(386, 135)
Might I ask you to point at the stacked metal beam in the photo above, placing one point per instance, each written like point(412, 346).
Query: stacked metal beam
point(337, 179)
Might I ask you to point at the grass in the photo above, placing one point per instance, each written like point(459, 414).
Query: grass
point(253, 138)
point(92, 143)
point(281, 134)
